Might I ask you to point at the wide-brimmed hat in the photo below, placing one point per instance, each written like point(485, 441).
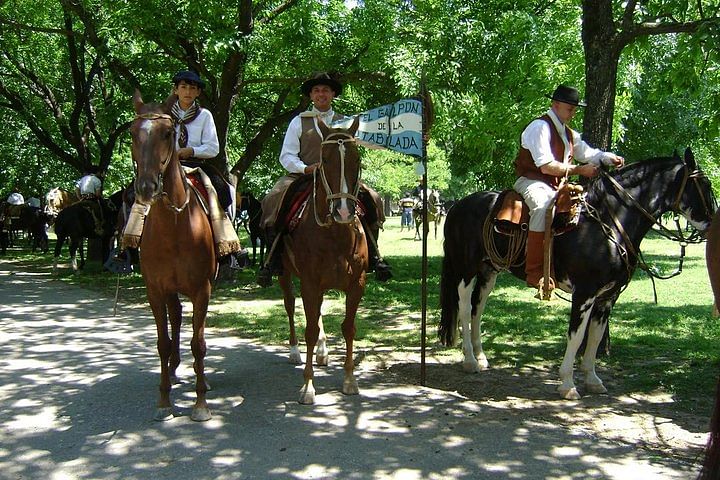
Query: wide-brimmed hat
point(190, 77)
point(567, 95)
point(321, 78)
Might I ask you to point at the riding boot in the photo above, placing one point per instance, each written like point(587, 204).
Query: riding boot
point(273, 263)
point(376, 263)
point(534, 258)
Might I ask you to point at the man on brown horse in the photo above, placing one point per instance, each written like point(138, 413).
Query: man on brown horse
point(300, 155)
point(89, 189)
point(548, 148)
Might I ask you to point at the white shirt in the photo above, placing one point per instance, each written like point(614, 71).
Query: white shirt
point(16, 198)
point(290, 153)
point(202, 135)
point(536, 138)
point(89, 185)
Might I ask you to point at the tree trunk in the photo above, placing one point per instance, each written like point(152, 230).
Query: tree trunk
point(602, 55)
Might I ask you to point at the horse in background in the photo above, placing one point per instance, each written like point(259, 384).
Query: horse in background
point(594, 261)
point(435, 213)
point(177, 249)
point(326, 250)
point(711, 465)
point(57, 199)
point(23, 218)
point(249, 213)
point(84, 219)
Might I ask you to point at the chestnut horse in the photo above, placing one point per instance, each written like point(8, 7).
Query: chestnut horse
point(435, 213)
point(711, 466)
point(178, 254)
point(327, 250)
point(594, 261)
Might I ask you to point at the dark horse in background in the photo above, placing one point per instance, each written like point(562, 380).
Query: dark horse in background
point(249, 213)
point(327, 250)
point(91, 219)
point(177, 249)
point(23, 218)
point(594, 261)
point(711, 465)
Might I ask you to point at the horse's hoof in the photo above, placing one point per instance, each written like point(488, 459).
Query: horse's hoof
point(322, 360)
point(164, 414)
point(307, 395)
point(595, 388)
point(483, 362)
point(474, 367)
point(569, 394)
point(295, 357)
point(208, 388)
point(200, 414)
point(350, 386)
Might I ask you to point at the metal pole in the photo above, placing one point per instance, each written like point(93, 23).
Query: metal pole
point(423, 288)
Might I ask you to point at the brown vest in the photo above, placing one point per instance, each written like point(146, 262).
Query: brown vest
point(525, 165)
point(310, 141)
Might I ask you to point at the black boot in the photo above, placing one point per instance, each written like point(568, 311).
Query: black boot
point(273, 265)
point(382, 269)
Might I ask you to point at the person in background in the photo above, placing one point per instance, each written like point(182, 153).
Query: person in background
point(406, 210)
point(549, 149)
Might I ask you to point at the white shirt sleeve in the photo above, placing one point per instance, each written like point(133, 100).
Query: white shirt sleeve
point(584, 153)
point(290, 153)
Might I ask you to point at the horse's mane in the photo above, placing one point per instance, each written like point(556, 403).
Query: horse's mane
point(632, 175)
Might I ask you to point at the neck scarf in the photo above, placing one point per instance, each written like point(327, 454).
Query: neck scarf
point(182, 118)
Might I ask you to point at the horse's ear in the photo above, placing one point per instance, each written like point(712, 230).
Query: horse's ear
point(169, 102)
point(690, 159)
point(355, 125)
point(324, 129)
point(137, 101)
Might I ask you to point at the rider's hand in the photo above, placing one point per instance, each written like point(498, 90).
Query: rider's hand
point(586, 170)
point(311, 168)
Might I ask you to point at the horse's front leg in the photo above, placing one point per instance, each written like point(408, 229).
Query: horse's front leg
point(352, 300)
point(596, 330)
point(175, 315)
point(312, 301)
point(579, 317)
point(200, 412)
point(164, 410)
point(73, 248)
point(322, 357)
point(285, 282)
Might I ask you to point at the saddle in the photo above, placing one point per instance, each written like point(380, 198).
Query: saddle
point(511, 213)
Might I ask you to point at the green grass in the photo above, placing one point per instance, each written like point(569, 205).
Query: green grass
point(670, 346)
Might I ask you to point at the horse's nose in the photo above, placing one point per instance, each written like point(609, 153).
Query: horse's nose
point(146, 189)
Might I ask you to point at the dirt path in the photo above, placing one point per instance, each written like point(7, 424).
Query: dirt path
point(78, 388)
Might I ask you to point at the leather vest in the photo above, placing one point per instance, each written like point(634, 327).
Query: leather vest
point(310, 140)
point(525, 165)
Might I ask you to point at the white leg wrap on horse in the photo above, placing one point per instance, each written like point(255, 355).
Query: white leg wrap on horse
point(470, 363)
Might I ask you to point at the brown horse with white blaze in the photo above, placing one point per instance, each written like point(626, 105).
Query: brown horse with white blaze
point(178, 254)
point(328, 250)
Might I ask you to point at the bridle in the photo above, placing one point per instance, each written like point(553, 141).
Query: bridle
point(164, 163)
point(625, 247)
point(339, 139)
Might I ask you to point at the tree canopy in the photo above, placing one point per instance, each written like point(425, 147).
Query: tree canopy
point(68, 68)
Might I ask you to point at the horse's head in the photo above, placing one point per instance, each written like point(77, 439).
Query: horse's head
point(153, 146)
point(339, 170)
point(695, 199)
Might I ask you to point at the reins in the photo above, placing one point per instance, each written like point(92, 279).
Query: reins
point(625, 247)
point(163, 165)
point(339, 139)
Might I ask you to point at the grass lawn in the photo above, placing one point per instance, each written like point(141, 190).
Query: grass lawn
point(670, 346)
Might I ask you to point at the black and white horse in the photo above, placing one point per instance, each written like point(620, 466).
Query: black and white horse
point(594, 262)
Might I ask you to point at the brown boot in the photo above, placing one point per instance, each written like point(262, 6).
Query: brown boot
point(534, 258)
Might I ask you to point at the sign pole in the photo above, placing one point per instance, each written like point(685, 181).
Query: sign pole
point(427, 120)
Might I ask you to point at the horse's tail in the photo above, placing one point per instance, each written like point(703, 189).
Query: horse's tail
point(449, 280)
